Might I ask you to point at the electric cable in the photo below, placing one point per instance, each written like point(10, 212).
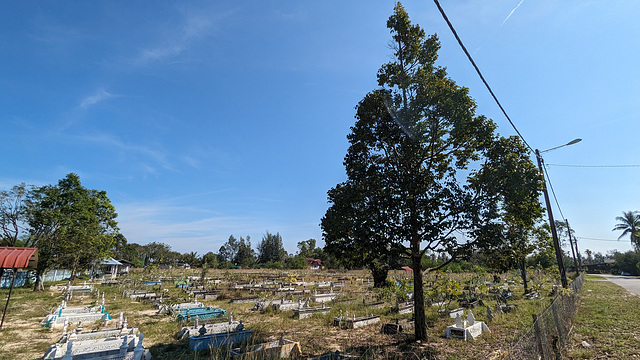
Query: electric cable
point(553, 192)
point(455, 34)
point(595, 166)
point(596, 239)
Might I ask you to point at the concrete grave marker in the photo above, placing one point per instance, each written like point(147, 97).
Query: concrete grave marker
point(467, 329)
point(470, 318)
point(459, 322)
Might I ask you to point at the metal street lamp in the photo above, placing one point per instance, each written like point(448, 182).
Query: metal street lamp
point(575, 141)
point(554, 233)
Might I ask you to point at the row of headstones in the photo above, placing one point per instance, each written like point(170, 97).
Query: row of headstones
point(80, 313)
point(98, 344)
point(354, 322)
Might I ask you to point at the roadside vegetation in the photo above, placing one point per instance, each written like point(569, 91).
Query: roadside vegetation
point(605, 322)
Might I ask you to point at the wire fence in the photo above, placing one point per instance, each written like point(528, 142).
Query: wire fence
point(548, 337)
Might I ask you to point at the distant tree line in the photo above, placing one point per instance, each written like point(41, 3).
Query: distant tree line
point(234, 253)
point(75, 227)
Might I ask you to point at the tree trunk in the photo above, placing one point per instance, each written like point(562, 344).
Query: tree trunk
point(523, 274)
point(420, 321)
point(38, 286)
point(379, 274)
point(74, 270)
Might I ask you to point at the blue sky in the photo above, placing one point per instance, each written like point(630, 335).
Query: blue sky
point(204, 119)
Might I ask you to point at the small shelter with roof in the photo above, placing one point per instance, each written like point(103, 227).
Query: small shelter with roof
point(15, 258)
point(313, 264)
point(109, 267)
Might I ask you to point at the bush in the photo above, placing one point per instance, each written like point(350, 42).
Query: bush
point(626, 262)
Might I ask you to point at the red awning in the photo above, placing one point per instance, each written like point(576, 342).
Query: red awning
point(18, 257)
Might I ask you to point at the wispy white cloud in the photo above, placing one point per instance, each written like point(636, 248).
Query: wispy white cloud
point(76, 114)
point(47, 30)
point(184, 228)
point(99, 96)
point(188, 226)
point(158, 156)
point(191, 161)
point(148, 55)
point(193, 26)
point(512, 11)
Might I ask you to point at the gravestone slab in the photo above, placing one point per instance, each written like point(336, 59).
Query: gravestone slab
point(124, 347)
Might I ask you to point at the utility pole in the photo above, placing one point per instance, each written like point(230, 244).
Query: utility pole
point(554, 233)
point(573, 252)
point(575, 244)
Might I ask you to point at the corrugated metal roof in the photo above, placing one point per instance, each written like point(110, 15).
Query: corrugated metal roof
point(17, 257)
point(110, 261)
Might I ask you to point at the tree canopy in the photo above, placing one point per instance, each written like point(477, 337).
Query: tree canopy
point(237, 252)
point(629, 223)
point(514, 181)
point(411, 186)
point(12, 214)
point(271, 249)
point(71, 226)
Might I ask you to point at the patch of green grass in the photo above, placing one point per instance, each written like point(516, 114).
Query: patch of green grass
point(605, 319)
point(593, 277)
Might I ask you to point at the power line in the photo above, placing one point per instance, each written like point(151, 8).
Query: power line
point(553, 192)
point(595, 166)
point(495, 98)
point(453, 30)
point(596, 239)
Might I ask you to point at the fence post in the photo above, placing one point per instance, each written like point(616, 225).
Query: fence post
point(562, 332)
point(536, 327)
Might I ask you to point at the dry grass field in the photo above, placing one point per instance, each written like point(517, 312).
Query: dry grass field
point(24, 338)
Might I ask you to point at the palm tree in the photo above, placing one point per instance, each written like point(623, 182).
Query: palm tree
point(630, 224)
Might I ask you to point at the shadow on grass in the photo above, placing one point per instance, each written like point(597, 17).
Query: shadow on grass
point(172, 351)
point(405, 348)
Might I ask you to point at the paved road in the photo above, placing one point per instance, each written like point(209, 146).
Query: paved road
point(630, 283)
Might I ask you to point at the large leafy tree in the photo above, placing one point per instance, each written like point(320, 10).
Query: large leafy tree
point(72, 226)
point(408, 189)
point(237, 252)
point(629, 223)
point(515, 182)
point(228, 250)
point(356, 227)
point(192, 258)
point(132, 252)
point(159, 254)
point(627, 262)
point(308, 248)
point(210, 260)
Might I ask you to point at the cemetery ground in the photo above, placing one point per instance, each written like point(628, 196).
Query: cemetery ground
point(23, 337)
